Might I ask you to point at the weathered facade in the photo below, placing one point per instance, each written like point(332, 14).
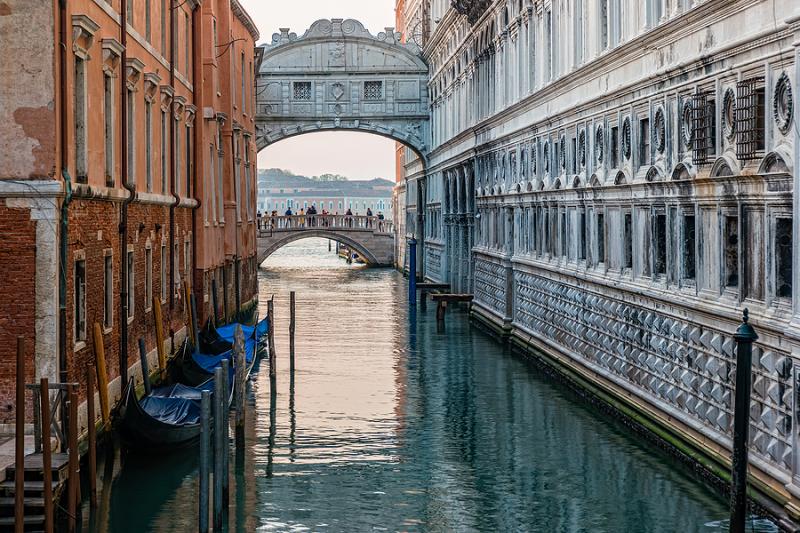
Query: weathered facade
point(111, 147)
point(615, 182)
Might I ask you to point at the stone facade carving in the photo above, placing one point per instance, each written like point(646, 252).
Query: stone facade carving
point(338, 76)
point(638, 226)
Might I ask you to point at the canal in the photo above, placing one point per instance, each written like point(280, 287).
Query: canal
point(389, 425)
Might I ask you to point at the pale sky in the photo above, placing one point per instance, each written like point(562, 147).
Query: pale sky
point(356, 155)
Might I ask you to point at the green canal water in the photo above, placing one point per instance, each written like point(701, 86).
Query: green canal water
point(389, 425)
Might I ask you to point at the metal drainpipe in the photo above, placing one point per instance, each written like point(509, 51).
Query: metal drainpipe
point(64, 226)
point(172, 155)
point(199, 149)
point(131, 188)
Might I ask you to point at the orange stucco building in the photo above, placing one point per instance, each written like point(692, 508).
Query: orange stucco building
point(127, 168)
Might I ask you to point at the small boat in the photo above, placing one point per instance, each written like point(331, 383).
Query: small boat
point(167, 418)
point(192, 367)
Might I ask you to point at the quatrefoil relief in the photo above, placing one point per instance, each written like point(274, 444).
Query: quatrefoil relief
point(337, 91)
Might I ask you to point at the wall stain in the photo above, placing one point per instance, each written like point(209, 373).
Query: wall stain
point(39, 123)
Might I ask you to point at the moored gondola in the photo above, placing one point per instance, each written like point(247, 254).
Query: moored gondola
point(192, 367)
point(159, 421)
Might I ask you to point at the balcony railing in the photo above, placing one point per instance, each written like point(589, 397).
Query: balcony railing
point(324, 222)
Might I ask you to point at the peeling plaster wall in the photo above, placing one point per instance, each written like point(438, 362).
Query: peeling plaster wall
point(27, 105)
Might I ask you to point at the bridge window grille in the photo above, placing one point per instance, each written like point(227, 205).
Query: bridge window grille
point(703, 128)
point(750, 118)
point(302, 90)
point(373, 90)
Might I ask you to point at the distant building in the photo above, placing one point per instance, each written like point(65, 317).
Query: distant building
point(279, 190)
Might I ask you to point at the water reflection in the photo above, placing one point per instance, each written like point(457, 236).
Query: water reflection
point(390, 425)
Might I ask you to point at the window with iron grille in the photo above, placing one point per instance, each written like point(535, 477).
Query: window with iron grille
point(750, 118)
point(302, 90)
point(373, 90)
point(703, 128)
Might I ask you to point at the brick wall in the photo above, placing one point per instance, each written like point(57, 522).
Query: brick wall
point(17, 302)
point(94, 231)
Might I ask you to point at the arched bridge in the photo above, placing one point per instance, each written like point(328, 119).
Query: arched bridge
point(371, 238)
point(338, 76)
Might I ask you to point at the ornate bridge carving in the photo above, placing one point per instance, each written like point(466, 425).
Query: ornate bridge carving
point(338, 76)
point(373, 239)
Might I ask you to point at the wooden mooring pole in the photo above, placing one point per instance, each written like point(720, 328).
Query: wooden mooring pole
point(102, 375)
point(159, 320)
point(47, 472)
point(292, 325)
point(271, 336)
point(745, 336)
point(91, 422)
point(226, 428)
point(219, 402)
point(73, 480)
point(19, 443)
point(214, 300)
point(239, 385)
point(205, 458)
point(145, 367)
point(193, 327)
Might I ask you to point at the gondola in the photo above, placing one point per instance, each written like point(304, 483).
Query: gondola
point(193, 368)
point(169, 417)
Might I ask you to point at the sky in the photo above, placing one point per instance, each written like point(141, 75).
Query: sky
point(355, 155)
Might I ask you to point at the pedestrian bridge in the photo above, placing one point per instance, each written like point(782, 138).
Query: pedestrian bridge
point(371, 238)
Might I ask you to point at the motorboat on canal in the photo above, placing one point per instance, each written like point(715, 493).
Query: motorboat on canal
point(169, 417)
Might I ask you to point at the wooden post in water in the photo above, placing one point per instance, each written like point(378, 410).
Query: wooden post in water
point(226, 428)
point(102, 375)
point(187, 293)
point(145, 367)
point(219, 401)
point(19, 443)
point(47, 472)
point(214, 300)
point(91, 423)
point(745, 336)
point(271, 336)
point(159, 320)
point(73, 480)
point(196, 332)
point(205, 459)
point(240, 362)
point(292, 323)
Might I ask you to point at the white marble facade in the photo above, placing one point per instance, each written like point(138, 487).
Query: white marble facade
point(614, 181)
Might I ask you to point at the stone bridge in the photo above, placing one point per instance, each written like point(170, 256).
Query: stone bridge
point(371, 238)
point(338, 76)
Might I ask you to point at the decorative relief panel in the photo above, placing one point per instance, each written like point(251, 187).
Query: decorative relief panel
point(490, 285)
point(433, 262)
point(350, 79)
point(672, 361)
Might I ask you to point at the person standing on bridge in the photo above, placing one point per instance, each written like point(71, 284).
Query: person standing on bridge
point(302, 220)
point(369, 217)
point(349, 217)
point(312, 219)
point(288, 221)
